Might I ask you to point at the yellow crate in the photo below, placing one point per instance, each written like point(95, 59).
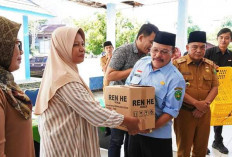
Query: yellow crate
point(225, 76)
point(221, 107)
point(216, 121)
point(224, 96)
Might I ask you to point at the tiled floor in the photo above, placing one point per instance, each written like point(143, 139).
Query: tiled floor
point(227, 135)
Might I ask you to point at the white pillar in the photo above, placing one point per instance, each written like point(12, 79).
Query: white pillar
point(182, 20)
point(110, 24)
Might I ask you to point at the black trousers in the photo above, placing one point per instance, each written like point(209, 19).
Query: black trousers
point(143, 146)
point(218, 134)
point(37, 148)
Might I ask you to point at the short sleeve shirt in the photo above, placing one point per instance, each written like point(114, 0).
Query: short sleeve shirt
point(169, 90)
point(200, 79)
point(103, 61)
point(124, 58)
point(222, 60)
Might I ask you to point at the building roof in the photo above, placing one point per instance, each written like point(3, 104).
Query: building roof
point(102, 3)
point(48, 29)
point(27, 7)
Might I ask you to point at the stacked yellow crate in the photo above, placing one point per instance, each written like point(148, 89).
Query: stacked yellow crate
point(221, 107)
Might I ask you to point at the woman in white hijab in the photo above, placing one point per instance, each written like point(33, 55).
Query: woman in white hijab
point(69, 115)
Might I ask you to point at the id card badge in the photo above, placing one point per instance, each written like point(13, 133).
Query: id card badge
point(137, 77)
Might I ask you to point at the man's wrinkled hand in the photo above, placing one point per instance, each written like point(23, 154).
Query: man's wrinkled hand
point(202, 106)
point(197, 114)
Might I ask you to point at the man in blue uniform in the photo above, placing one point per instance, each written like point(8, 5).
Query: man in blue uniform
point(158, 71)
point(120, 66)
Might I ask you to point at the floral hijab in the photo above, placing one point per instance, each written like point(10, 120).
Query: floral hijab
point(14, 95)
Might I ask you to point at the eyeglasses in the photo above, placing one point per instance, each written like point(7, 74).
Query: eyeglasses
point(195, 47)
point(19, 43)
point(162, 51)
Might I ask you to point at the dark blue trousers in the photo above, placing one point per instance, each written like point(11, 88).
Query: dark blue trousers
point(116, 141)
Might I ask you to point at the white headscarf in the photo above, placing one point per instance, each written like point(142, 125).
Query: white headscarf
point(60, 68)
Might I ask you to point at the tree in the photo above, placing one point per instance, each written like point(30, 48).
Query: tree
point(192, 27)
point(126, 30)
point(95, 30)
point(34, 27)
point(227, 22)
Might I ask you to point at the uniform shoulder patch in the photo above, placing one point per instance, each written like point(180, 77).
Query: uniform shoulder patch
point(178, 93)
point(210, 63)
point(181, 60)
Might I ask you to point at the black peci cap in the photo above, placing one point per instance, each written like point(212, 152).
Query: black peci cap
point(107, 43)
point(197, 36)
point(165, 38)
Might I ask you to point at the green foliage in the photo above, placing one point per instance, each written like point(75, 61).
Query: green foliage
point(230, 47)
point(95, 31)
point(212, 37)
point(126, 30)
point(36, 24)
point(34, 51)
point(227, 22)
point(191, 26)
point(34, 27)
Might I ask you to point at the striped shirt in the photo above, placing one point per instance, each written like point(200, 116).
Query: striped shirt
point(68, 128)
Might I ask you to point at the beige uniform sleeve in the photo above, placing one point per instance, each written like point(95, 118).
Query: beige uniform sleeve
point(174, 62)
point(102, 62)
point(215, 79)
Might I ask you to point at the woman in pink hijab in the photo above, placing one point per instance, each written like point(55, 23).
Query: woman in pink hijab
point(69, 115)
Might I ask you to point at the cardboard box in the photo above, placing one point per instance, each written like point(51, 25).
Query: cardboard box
point(136, 101)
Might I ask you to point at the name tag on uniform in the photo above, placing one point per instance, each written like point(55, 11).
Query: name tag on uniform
point(186, 73)
point(138, 73)
point(137, 77)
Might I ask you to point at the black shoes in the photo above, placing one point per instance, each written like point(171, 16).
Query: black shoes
point(220, 147)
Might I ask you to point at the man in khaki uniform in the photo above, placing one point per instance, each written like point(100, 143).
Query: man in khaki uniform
point(192, 126)
point(105, 59)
